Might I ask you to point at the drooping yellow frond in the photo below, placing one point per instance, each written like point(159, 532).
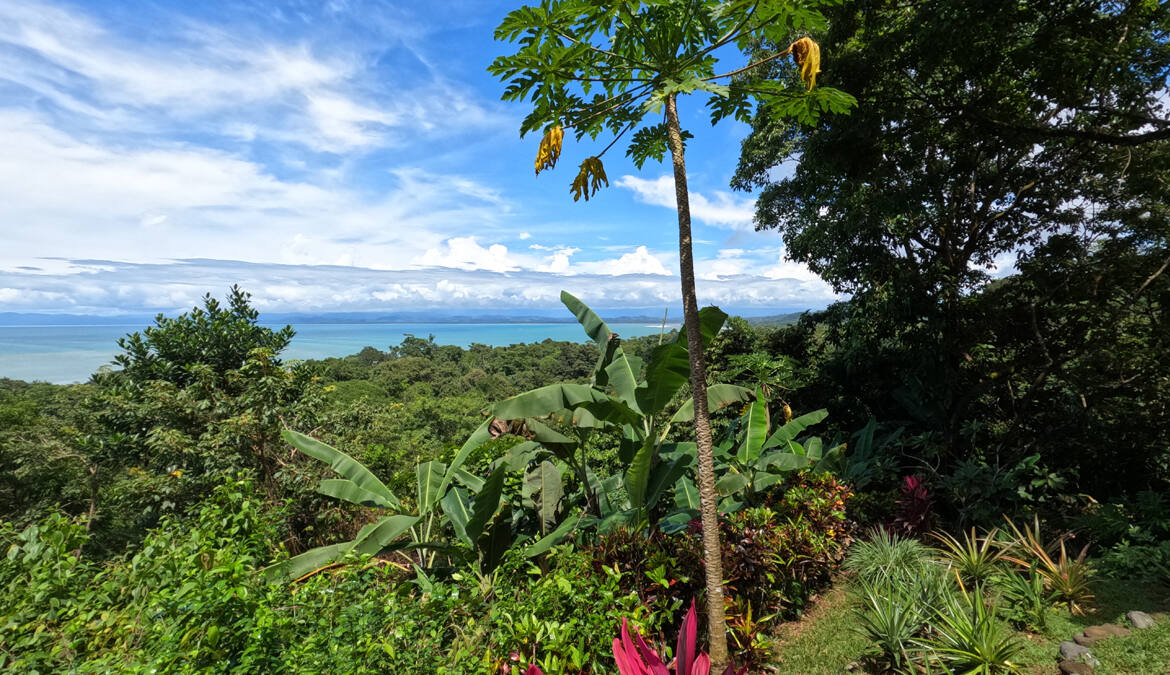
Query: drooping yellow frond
point(550, 149)
point(807, 55)
point(589, 179)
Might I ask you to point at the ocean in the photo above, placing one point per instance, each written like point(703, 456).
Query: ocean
point(64, 354)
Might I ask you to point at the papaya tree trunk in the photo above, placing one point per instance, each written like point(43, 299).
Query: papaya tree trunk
point(712, 548)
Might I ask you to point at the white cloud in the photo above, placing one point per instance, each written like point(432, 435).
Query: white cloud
point(558, 262)
point(79, 198)
point(465, 253)
point(720, 209)
point(638, 261)
point(297, 93)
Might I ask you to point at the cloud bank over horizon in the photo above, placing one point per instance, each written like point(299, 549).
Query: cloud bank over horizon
point(101, 287)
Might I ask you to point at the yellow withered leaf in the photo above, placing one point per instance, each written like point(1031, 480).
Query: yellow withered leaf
point(550, 149)
point(589, 179)
point(807, 55)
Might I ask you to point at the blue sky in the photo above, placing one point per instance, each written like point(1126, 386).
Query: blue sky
point(338, 156)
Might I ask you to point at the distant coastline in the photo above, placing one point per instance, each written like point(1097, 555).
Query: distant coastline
point(765, 316)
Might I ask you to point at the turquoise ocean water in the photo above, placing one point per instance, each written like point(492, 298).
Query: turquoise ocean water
point(63, 354)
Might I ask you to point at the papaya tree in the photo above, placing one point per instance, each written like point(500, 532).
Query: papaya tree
point(597, 67)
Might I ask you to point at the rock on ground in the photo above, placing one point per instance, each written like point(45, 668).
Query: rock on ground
point(1071, 651)
point(1075, 668)
point(1140, 620)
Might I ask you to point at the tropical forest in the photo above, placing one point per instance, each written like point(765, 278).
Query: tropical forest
point(950, 468)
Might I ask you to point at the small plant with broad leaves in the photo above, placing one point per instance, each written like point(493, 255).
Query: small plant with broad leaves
point(635, 657)
point(915, 506)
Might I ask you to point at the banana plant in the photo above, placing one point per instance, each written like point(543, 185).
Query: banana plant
point(752, 457)
point(494, 521)
point(474, 507)
point(627, 397)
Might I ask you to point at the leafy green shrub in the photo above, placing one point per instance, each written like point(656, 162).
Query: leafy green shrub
point(776, 557)
point(664, 571)
point(1143, 518)
point(41, 572)
point(562, 619)
point(1137, 561)
point(1026, 600)
point(885, 557)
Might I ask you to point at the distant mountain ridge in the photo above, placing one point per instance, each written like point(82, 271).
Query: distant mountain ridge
point(458, 316)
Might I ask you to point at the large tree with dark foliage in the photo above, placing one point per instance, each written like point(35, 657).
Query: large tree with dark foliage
point(987, 130)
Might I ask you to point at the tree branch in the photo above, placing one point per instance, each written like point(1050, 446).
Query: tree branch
point(1151, 278)
point(604, 80)
point(1122, 140)
point(749, 66)
point(643, 66)
point(615, 106)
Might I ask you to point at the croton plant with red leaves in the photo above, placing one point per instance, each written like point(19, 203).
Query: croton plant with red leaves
point(635, 657)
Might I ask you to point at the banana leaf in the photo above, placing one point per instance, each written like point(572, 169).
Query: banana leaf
point(342, 463)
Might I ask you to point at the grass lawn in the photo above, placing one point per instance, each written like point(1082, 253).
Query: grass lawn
point(826, 641)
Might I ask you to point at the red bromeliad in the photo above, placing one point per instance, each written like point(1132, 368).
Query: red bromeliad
point(635, 657)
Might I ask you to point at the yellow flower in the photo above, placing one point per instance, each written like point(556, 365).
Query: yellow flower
point(589, 179)
point(177, 473)
point(550, 149)
point(807, 55)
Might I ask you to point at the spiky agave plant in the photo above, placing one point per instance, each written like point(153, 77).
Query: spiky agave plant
point(888, 618)
point(883, 556)
point(1065, 576)
point(968, 637)
point(975, 559)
